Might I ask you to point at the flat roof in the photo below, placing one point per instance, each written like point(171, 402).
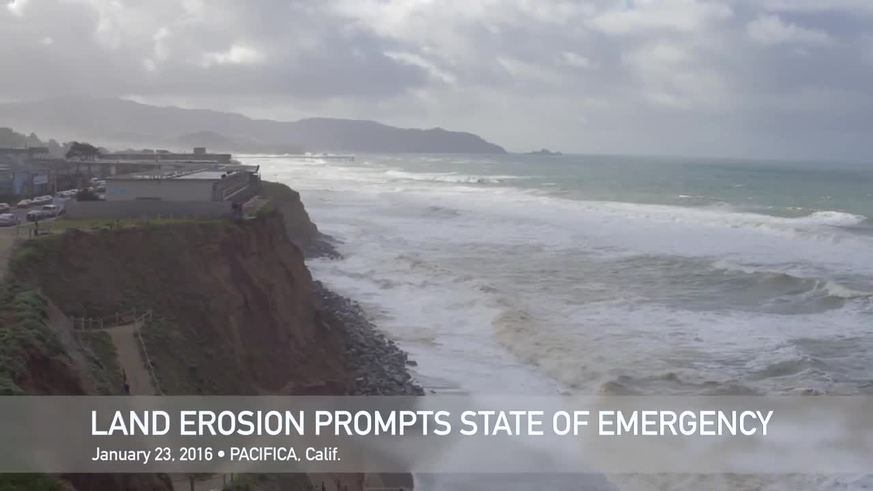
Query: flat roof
point(196, 175)
point(204, 175)
point(105, 161)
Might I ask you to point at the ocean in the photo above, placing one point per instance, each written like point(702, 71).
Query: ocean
point(573, 274)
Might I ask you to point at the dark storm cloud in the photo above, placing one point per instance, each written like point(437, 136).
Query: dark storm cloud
point(736, 77)
point(117, 48)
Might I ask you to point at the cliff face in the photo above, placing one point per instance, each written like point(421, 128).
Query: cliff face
point(235, 311)
point(299, 227)
point(239, 292)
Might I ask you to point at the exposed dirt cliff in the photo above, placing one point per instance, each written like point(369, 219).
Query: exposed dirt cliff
point(238, 291)
point(301, 230)
point(235, 311)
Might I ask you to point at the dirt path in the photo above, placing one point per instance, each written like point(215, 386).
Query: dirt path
point(131, 360)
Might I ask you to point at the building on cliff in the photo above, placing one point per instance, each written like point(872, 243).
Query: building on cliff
point(32, 171)
point(160, 161)
point(198, 185)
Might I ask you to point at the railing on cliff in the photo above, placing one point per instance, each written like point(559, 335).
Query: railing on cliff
point(117, 319)
point(138, 318)
point(141, 322)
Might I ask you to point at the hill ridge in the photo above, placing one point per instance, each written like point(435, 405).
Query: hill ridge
point(125, 122)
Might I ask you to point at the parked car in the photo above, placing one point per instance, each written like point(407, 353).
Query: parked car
point(8, 220)
point(4, 207)
point(51, 210)
point(42, 200)
point(34, 215)
point(25, 203)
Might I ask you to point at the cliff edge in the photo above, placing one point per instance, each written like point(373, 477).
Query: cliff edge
point(234, 309)
point(238, 291)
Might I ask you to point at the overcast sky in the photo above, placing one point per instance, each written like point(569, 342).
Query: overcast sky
point(768, 78)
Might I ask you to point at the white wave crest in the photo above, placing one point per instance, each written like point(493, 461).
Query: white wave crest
point(832, 218)
point(448, 177)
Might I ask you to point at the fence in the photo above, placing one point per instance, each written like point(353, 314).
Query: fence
point(114, 320)
point(138, 318)
point(147, 317)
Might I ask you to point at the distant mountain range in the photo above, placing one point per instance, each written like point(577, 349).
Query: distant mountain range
point(121, 122)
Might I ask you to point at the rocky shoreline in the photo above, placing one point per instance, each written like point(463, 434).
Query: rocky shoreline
point(378, 365)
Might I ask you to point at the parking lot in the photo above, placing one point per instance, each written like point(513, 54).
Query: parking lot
point(10, 233)
point(21, 213)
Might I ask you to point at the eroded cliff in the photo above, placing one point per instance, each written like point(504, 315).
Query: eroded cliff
point(232, 301)
point(234, 311)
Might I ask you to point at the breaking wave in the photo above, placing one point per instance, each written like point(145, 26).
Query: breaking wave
point(448, 177)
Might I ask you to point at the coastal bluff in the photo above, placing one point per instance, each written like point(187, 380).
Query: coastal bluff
point(233, 311)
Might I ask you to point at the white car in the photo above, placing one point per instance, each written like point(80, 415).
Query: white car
point(25, 203)
point(51, 210)
point(8, 220)
point(4, 207)
point(41, 200)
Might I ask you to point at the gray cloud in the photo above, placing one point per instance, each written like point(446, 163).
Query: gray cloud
point(772, 78)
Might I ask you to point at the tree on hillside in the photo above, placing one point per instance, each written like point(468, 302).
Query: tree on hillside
point(55, 148)
point(33, 141)
point(11, 139)
point(82, 151)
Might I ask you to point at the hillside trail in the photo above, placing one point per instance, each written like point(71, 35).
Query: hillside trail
point(139, 380)
point(131, 360)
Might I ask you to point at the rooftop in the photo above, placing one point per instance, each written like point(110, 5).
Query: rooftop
point(205, 175)
point(198, 175)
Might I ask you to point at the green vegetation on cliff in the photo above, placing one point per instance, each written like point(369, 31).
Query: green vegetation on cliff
point(35, 359)
point(24, 337)
point(102, 362)
point(233, 304)
point(181, 370)
point(30, 482)
point(233, 313)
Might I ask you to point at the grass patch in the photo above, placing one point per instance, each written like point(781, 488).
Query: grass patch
point(25, 333)
point(30, 482)
point(182, 370)
point(102, 361)
point(116, 224)
point(32, 251)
